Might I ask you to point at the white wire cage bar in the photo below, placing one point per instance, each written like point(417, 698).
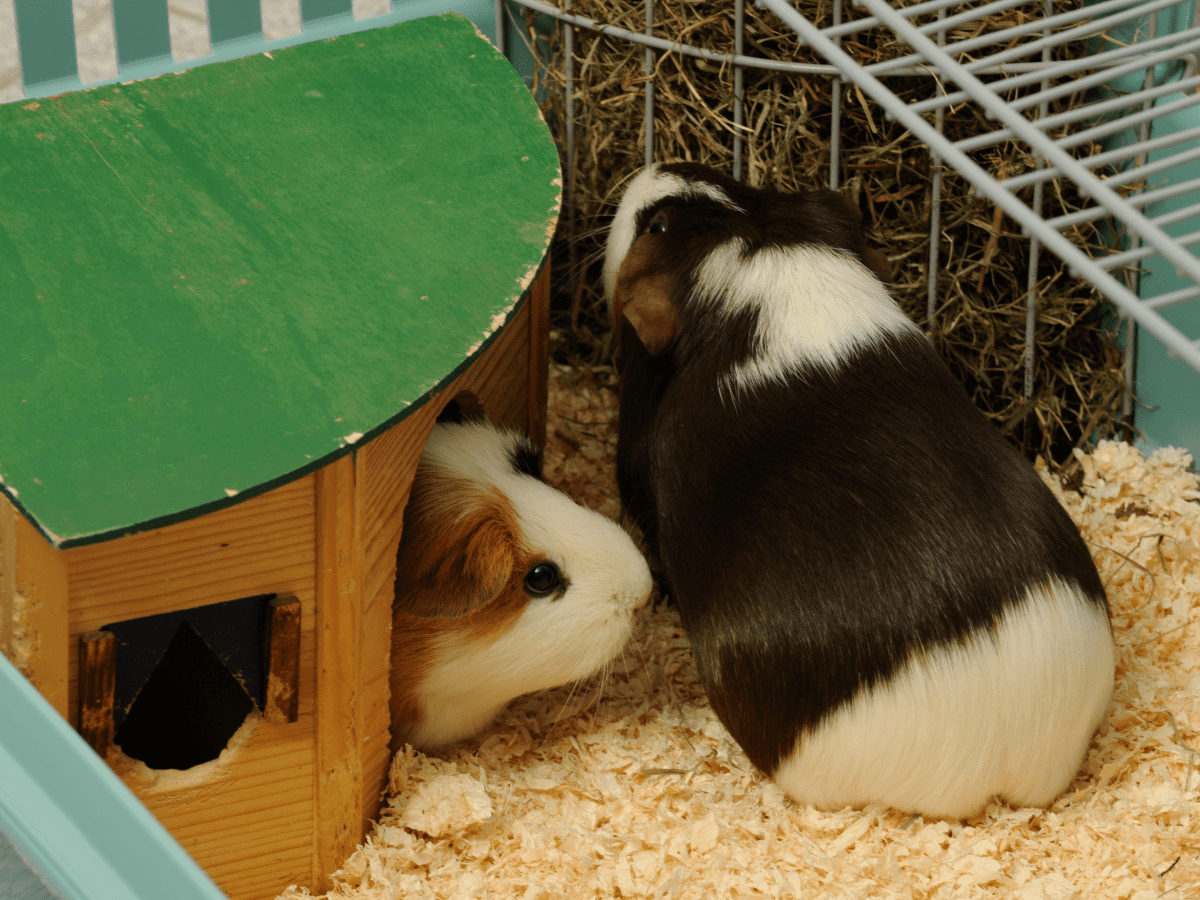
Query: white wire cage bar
point(1123, 178)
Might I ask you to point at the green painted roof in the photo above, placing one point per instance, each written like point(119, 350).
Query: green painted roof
point(215, 281)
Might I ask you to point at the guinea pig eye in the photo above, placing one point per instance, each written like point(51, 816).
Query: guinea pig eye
point(657, 225)
point(542, 580)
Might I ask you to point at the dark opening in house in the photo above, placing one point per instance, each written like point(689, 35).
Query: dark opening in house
point(185, 681)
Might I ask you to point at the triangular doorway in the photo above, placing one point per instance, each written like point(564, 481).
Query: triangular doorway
point(187, 710)
point(234, 629)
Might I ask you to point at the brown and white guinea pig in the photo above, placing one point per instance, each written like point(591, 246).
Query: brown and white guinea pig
point(885, 603)
point(503, 586)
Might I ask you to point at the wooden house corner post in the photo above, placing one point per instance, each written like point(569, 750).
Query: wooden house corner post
point(33, 606)
point(337, 826)
point(97, 684)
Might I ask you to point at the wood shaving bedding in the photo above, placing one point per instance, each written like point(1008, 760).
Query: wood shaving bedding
point(628, 786)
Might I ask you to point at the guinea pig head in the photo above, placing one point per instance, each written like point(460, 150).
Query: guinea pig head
point(684, 228)
point(503, 586)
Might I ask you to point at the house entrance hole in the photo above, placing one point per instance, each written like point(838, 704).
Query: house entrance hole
point(187, 710)
point(185, 681)
point(463, 407)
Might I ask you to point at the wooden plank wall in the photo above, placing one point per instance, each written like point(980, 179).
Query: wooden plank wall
point(247, 817)
point(387, 464)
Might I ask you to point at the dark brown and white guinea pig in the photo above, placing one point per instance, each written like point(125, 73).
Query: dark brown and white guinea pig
point(885, 603)
point(503, 586)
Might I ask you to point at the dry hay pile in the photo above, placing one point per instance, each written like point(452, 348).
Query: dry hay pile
point(630, 787)
point(981, 283)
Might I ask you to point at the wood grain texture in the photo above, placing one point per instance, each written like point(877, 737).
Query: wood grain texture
point(8, 580)
point(374, 650)
point(97, 683)
point(282, 702)
point(39, 608)
point(337, 811)
point(246, 818)
point(500, 377)
point(387, 465)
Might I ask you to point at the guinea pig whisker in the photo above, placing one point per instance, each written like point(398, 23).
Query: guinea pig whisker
point(585, 234)
point(624, 659)
point(602, 683)
point(578, 268)
point(564, 706)
point(635, 648)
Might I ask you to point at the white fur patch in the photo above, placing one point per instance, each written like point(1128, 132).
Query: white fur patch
point(553, 641)
point(648, 187)
point(816, 305)
point(1011, 716)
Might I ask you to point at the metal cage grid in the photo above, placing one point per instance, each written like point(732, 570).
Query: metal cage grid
point(1108, 147)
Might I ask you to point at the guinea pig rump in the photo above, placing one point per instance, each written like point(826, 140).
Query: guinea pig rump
point(1006, 714)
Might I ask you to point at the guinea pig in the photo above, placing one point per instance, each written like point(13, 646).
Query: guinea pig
point(503, 586)
point(885, 603)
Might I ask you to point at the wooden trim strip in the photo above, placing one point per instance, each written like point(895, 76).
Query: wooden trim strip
point(539, 354)
point(97, 686)
point(283, 659)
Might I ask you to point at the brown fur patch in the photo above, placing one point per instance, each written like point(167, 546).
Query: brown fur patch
point(457, 547)
point(459, 573)
point(643, 296)
point(414, 643)
point(879, 264)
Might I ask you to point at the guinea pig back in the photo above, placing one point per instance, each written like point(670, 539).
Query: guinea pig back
point(885, 603)
point(503, 586)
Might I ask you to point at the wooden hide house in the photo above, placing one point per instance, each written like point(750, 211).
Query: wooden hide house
point(236, 299)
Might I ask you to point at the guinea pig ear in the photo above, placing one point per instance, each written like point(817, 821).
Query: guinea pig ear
point(643, 296)
point(457, 550)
